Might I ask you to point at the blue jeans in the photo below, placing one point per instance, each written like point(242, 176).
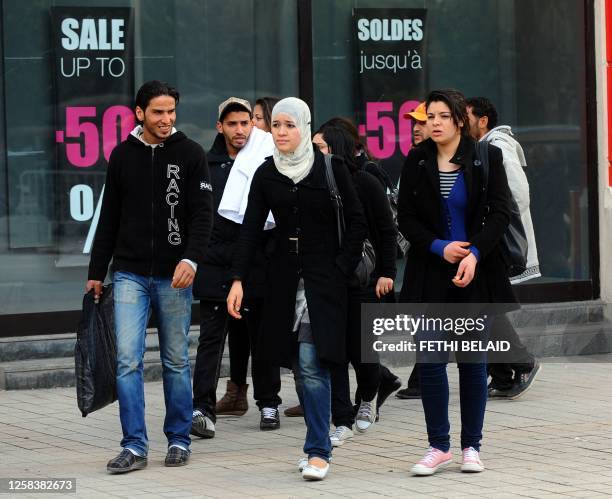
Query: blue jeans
point(313, 386)
point(135, 297)
point(473, 401)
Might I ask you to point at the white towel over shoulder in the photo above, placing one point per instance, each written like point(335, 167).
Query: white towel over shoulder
point(236, 194)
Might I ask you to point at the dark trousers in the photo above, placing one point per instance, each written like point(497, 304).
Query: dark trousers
point(214, 326)
point(413, 380)
point(502, 374)
point(368, 375)
point(473, 401)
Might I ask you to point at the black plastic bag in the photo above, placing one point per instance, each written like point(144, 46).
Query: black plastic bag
point(95, 353)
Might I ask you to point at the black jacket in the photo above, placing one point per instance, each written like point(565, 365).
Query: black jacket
point(156, 210)
point(213, 278)
point(303, 211)
point(427, 277)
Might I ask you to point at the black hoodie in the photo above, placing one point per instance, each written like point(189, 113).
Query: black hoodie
point(156, 210)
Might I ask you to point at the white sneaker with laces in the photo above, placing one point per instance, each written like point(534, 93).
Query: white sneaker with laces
point(366, 415)
point(340, 435)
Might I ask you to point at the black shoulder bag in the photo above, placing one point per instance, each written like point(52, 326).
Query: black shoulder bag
point(367, 264)
point(514, 240)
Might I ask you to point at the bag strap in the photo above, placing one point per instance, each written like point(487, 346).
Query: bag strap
point(335, 197)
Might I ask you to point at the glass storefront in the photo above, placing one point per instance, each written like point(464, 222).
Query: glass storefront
point(528, 57)
point(209, 49)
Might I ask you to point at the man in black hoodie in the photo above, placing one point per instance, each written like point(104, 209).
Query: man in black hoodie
point(155, 223)
point(211, 287)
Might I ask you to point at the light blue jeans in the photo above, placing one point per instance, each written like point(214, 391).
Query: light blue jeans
point(135, 297)
point(313, 386)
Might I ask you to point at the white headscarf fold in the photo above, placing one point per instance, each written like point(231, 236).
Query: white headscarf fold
point(295, 165)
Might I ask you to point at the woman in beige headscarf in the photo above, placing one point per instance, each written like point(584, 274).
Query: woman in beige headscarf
point(304, 314)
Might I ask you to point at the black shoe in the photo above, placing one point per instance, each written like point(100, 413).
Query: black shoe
point(387, 387)
point(270, 419)
point(409, 393)
point(523, 381)
point(497, 393)
point(176, 457)
point(202, 426)
point(126, 461)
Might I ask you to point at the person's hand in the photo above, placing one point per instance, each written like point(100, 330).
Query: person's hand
point(466, 271)
point(456, 251)
point(96, 286)
point(384, 285)
point(234, 300)
point(183, 275)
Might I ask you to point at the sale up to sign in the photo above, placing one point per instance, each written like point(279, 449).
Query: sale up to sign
point(390, 69)
point(94, 81)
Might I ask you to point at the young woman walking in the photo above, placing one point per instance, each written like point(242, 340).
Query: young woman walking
point(454, 221)
point(306, 288)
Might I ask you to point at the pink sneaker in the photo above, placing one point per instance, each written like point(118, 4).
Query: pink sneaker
point(471, 462)
point(431, 461)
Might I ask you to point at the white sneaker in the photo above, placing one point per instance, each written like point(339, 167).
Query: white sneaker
point(340, 435)
point(313, 473)
point(366, 415)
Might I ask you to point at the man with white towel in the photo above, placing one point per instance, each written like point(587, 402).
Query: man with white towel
point(238, 150)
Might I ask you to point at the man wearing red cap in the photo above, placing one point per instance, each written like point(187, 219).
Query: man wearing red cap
point(420, 132)
point(419, 126)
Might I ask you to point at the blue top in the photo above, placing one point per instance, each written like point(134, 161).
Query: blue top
point(453, 211)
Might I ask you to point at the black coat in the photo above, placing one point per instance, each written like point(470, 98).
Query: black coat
point(213, 278)
point(427, 276)
point(381, 228)
point(303, 210)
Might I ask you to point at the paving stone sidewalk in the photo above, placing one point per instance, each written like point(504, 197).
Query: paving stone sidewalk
point(550, 443)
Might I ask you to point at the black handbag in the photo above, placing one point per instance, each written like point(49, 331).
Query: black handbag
point(514, 241)
point(367, 264)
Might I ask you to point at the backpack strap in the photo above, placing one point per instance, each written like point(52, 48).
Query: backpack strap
point(482, 154)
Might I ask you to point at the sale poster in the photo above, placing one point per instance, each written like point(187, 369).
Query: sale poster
point(390, 69)
point(94, 83)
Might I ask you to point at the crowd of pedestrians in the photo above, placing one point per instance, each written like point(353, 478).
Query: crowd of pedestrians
point(270, 231)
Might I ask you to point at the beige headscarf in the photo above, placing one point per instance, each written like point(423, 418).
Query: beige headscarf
point(295, 165)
